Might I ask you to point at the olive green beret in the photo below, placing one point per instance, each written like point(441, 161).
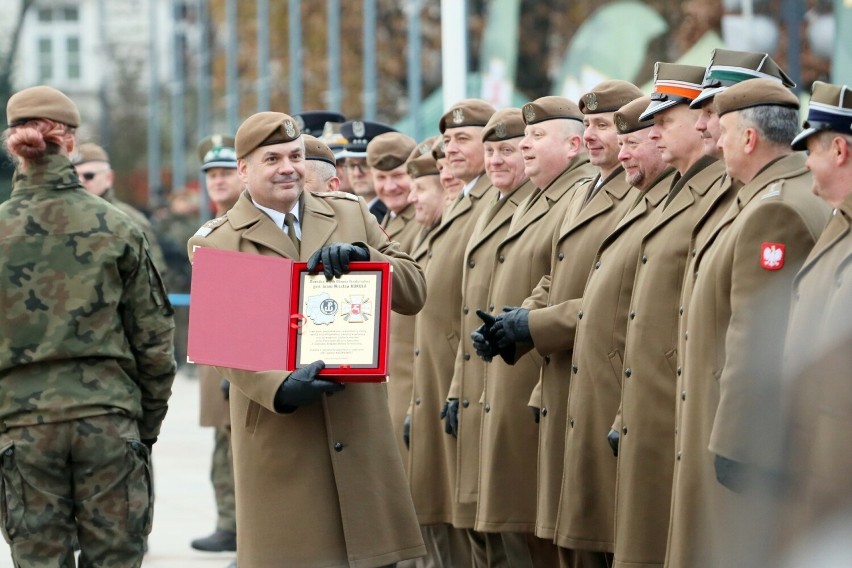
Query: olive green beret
point(90, 152)
point(421, 162)
point(264, 129)
point(729, 67)
point(504, 124)
point(608, 96)
point(41, 102)
point(549, 108)
point(389, 150)
point(217, 151)
point(316, 149)
point(757, 92)
point(673, 84)
point(830, 109)
point(438, 151)
point(467, 112)
point(627, 117)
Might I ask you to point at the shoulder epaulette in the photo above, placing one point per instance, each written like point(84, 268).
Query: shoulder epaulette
point(210, 225)
point(337, 194)
point(774, 190)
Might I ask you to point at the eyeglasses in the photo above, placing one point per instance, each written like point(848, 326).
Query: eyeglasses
point(360, 167)
point(89, 176)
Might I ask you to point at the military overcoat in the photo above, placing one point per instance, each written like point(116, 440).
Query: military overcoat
point(731, 335)
point(509, 438)
point(646, 424)
point(432, 456)
point(324, 485)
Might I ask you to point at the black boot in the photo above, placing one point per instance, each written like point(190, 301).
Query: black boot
point(219, 541)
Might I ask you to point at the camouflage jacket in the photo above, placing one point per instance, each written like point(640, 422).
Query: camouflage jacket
point(87, 327)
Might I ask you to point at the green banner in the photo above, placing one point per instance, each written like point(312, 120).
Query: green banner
point(841, 65)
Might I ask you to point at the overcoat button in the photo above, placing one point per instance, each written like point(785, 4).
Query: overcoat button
point(338, 447)
point(465, 403)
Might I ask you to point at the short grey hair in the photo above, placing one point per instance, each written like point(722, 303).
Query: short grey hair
point(777, 125)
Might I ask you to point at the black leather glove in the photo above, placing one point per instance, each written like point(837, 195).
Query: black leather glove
point(536, 413)
point(406, 431)
point(225, 385)
point(482, 338)
point(511, 327)
point(450, 412)
point(335, 258)
point(613, 438)
point(732, 474)
point(302, 387)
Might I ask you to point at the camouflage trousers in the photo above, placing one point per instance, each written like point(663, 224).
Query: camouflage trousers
point(222, 476)
point(87, 480)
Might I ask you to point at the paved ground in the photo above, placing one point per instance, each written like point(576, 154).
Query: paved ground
point(184, 508)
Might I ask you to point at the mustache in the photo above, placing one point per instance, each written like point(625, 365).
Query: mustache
point(286, 179)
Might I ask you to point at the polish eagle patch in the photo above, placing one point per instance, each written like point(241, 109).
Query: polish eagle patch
point(772, 256)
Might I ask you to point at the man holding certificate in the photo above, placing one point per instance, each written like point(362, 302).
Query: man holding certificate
point(319, 480)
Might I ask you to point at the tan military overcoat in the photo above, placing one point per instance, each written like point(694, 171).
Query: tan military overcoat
point(586, 506)
point(817, 362)
point(404, 230)
point(324, 485)
point(432, 456)
point(468, 376)
point(509, 439)
point(646, 425)
point(552, 324)
point(737, 298)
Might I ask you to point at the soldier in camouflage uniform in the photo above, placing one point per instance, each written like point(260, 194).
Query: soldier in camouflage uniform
point(92, 165)
point(86, 360)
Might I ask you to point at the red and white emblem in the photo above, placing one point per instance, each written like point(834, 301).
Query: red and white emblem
point(772, 256)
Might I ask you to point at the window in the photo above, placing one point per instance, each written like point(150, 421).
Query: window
point(45, 59)
point(72, 57)
point(58, 44)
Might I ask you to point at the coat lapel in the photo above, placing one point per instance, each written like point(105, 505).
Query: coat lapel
point(259, 228)
point(318, 224)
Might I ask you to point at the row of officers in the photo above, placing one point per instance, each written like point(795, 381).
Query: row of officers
point(630, 300)
point(619, 335)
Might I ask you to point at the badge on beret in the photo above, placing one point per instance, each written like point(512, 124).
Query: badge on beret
point(529, 113)
point(358, 129)
point(289, 128)
point(500, 130)
point(300, 122)
point(424, 149)
point(412, 169)
point(620, 123)
point(458, 116)
point(591, 101)
point(772, 256)
point(216, 140)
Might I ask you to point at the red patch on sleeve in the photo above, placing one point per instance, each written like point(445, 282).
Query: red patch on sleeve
point(772, 256)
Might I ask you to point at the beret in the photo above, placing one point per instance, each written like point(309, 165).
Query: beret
point(217, 151)
point(728, 67)
point(90, 152)
point(673, 84)
point(467, 112)
point(757, 92)
point(549, 108)
point(316, 149)
point(313, 121)
point(41, 102)
point(504, 124)
point(389, 150)
point(830, 109)
point(264, 129)
point(358, 134)
point(438, 149)
point(608, 96)
point(421, 162)
point(627, 117)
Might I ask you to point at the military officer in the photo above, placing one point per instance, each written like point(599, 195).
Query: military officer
point(643, 489)
point(504, 166)
point(427, 195)
point(219, 164)
point(344, 501)
point(552, 148)
point(86, 354)
point(818, 337)
point(92, 164)
point(432, 457)
point(358, 134)
point(320, 170)
point(325, 126)
point(736, 300)
point(451, 184)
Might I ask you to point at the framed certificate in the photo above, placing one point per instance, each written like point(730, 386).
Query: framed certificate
point(267, 313)
point(343, 321)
